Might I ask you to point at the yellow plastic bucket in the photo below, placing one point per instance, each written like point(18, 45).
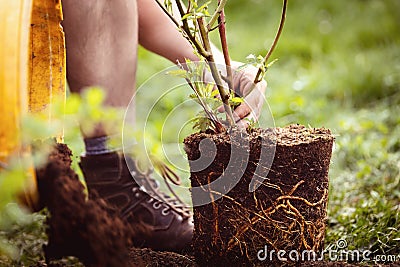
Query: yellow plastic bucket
point(32, 73)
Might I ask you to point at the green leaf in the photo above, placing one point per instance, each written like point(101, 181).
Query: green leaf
point(205, 6)
point(8, 250)
point(194, 3)
point(236, 100)
point(251, 58)
point(202, 123)
point(168, 5)
point(72, 104)
point(178, 73)
point(186, 16)
point(208, 88)
point(94, 96)
point(271, 63)
point(214, 93)
point(214, 103)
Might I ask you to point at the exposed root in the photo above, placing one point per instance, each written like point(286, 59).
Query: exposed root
point(287, 209)
point(215, 234)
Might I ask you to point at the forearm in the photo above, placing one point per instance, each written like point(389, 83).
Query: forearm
point(159, 34)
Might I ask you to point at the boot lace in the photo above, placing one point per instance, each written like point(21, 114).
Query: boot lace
point(159, 198)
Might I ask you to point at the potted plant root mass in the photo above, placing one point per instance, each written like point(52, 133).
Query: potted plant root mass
point(257, 193)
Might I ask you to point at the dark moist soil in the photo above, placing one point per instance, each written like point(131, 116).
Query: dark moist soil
point(93, 232)
point(286, 212)
point(88, 229)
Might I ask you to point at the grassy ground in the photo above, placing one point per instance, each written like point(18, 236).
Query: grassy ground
point(339, 67)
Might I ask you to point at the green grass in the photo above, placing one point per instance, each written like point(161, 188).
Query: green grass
point(339, 67)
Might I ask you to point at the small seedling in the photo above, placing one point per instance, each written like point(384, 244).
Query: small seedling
point(195, 25)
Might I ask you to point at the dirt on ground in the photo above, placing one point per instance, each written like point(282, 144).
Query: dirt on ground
point(93, 232)
point(88, 229)
point(85, 228)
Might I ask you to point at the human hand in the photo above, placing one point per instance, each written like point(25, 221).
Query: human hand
point(253, 94)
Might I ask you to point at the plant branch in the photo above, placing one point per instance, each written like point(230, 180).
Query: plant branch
point(216, 14)
point(186, 29)
point(181, 11)
point(260, 72)
point(168, 14)
point(225, 50)
point(214, 71)
point(211, 116)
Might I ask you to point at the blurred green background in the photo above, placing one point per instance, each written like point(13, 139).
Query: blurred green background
point(339, 67)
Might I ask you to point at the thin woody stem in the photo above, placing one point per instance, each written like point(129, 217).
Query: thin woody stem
point(216, 15)
point(214, 71)
point(180, 8)
point(186, 29)
point(218, 126)
point(260, 72)
point(204, 49)
point(211, 116)
point(225, 50)
point(167, 13)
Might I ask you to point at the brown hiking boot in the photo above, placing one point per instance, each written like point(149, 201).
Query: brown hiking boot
point(168, 220)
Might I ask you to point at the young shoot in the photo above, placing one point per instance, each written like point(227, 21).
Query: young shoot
point(195, 25)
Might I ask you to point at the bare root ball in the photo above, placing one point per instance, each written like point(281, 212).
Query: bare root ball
point(286, 212)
